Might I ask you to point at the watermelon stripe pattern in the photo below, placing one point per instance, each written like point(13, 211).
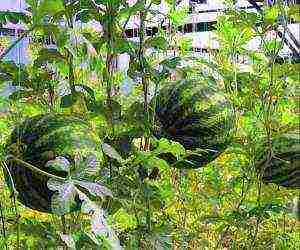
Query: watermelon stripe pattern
point(38, 140)
point(197, 116)
point(284, 167)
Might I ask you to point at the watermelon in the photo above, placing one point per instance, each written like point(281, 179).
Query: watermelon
point(40, 139)
point(284, 167)
point(198, 116)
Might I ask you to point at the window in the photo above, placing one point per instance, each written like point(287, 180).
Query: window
point(198, 1)
point(7, 32)
point(129, 33)
point(188, 28)
point(194, 3)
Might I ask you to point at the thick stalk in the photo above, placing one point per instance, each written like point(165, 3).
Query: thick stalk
point(110, 57)
point(109, 31)
point(141, 57)
point(145, 84)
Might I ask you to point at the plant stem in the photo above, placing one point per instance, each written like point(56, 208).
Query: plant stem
point(17, 219)
point(33, 168)
point(63, 222)
point(141, 58)
point(109, 31)
point(70, 58)
point(3, 224)
point(71, 73)
point(258, 219)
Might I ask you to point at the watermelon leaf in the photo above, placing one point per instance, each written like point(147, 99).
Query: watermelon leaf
point(111, 152)
point(94, 188)
point(156, 1)
point(68, 100)
point(18, 94)
point(63, 200)
point(51, 7)
point(85, 166)
point(168, 146)
point(156, 42)
point(87, 89)
point(131, 11)
point(123, 46)
point(48, 55)
point(69, 240)
point(59, 163)
point(171, 63)
point(99, 224)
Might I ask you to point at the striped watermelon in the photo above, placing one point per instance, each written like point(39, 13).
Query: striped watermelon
point(284, 167)
point(40, 139)
point(196, 115)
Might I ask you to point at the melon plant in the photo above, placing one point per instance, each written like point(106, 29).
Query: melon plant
point(198, 116)
point(52, 143)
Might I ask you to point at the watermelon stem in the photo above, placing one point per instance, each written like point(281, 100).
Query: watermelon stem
point(33, 168)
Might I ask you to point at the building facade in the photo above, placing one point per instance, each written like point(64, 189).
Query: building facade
point(198, 25)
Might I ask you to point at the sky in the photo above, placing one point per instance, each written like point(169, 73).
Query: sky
point(12, 5)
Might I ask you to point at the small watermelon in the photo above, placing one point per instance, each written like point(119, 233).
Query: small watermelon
point(284, 167)
point(198, 116)
point(40, 139)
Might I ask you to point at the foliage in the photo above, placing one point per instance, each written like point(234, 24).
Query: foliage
point(137, 199)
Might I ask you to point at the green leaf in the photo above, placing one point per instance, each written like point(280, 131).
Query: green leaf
point(4, 77)
point(271, 14)
point(156, 1)
point(14, 17)
point(272, 46)
point(184, 164)
point(89, 90)
point(63, 200)
point(168, 146)
point(86, 166)
point(94, 188)
point(61, 37)
point(21, 94)
point(97, 107)
point(156, 42)
point(294, 12)
point(50, 7)
point(93, 238)
point(48, 55)
point(8, 71)
point(123, 46)
point(171, 63)
point(130, 11)
point(59, 163)
point(162, 241)
point(111, 152)
point(86, 15)
point(69, 240)
point(178, 16)
point(83, 241)
point(113, 110)
point(68, 100)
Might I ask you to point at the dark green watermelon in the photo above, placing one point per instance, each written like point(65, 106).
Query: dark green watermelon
point(40, 139)
point(196, 115)
point(284, 166)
